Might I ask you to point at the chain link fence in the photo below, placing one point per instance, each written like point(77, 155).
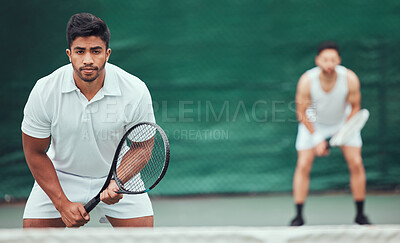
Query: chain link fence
point(223, 76)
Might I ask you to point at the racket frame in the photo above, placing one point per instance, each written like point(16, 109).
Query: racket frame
point(166, 159)
point(111, 174)
point(357, 122)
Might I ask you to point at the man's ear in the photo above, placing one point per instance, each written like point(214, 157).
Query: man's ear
point(108, 53)
point(316, 60)
point(68, 51)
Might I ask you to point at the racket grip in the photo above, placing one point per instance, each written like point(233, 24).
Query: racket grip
point(328, 145)
point(91, 204)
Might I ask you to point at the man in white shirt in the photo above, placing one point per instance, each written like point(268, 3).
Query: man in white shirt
point(82, 110)
point(324, 95)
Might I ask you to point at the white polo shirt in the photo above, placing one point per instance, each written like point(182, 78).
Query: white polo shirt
point(85, 134)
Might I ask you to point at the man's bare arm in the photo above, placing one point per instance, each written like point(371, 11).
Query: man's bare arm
point(354, 94)
point(45, 175)
point(303, 101)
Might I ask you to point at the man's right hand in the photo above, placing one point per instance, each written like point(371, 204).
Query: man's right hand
point(73, 214)
point(322, 149)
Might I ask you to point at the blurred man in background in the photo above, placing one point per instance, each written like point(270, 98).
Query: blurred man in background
point(324, 94)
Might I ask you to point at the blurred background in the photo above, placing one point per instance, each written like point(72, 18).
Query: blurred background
point(223, 76)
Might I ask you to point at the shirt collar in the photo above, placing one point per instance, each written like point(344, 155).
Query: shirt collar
point(110, 86)
point(68, 85)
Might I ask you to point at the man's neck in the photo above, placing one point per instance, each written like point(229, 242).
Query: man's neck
point(89, 89)
point(328, 78)
point(327, 81)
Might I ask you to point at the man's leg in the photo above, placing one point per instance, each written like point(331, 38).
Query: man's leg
point(43, 223)
point(133, 222)
point(354, 161)
point(301, 182)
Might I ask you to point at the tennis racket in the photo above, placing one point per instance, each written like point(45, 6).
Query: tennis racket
point(140, 161)
point(351, 127)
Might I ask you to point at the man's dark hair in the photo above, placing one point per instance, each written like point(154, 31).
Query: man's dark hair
point(327, 45)
point(86, 24)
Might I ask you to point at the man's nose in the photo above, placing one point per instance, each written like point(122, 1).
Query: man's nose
point(87, 59)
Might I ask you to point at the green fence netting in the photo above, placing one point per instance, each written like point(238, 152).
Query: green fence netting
point(222, 75)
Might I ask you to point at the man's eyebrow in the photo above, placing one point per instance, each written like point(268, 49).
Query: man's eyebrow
point(96, 47)
point(92, 48)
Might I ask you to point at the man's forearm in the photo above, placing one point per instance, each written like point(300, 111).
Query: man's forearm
point(302, 118)
point(45, 175)
point(354, 110)
point(316, 137)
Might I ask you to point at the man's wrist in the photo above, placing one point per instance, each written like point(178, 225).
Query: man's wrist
point(60, 202)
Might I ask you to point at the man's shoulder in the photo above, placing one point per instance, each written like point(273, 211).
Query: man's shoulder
point(125, 79)
point(312, 72)
point(352, 80)
point(49, 87)
point(304, 85)
point(55, 77)
point(306, 77)
point(351, 74)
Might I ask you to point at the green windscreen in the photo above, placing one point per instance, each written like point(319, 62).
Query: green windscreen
point(222, 75)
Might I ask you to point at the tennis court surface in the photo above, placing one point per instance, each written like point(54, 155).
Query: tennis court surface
point(259, 218)
point(246, 210)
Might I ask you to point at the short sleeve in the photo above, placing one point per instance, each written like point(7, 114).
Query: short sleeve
point(36, 122)
point(144, 110)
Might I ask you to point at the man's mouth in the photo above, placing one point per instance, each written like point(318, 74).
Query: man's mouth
point(330, 70)
point(88, 70)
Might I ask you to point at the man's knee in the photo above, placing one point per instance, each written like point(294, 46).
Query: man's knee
point(356, 164)
point(304, 164)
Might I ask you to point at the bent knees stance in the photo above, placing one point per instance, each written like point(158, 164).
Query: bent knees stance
point(356, 165)
point(305, 160)
point(354, 159)
point(303, 168)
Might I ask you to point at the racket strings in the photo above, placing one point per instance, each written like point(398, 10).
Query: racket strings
point(141, 159)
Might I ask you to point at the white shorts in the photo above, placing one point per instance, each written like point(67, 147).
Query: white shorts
point(81, 190)
point(304, 138)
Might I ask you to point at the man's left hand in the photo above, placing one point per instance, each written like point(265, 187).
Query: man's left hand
point(322, 149)
point(109, 195)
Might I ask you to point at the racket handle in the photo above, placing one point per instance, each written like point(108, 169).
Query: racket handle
point(91, 204)
point(328, 145)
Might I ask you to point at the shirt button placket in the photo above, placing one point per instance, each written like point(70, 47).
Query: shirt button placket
point(87, 113)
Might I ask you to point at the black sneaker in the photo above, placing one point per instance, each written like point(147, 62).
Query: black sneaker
point(297, 221)
point(362, 220)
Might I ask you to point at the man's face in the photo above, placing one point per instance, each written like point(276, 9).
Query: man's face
point(88, 56)
point(327, 60)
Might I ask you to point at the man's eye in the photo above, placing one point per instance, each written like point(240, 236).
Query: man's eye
point(79, 52)
point(96, 52)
